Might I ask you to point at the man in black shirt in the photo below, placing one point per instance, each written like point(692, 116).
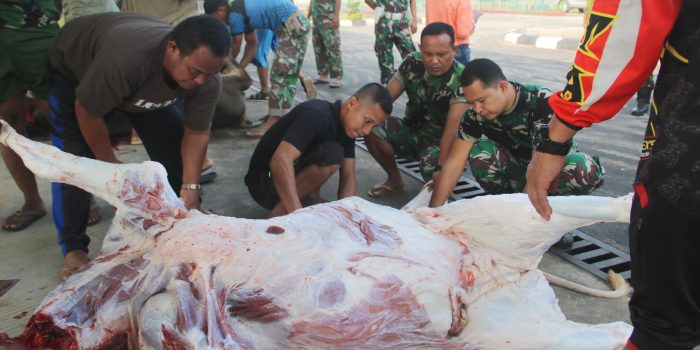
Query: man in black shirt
point(299, 153)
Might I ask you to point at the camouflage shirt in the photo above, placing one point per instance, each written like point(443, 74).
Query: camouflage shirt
point(16, 14)
point(429, 97)
point(396, 6)
point(513, 130)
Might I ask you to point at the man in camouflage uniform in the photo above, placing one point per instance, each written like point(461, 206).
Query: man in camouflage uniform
point(27, 28)
point(393, 25)
point(326, 40)
point(507, 114)
point(291, 28)
point(435, 107)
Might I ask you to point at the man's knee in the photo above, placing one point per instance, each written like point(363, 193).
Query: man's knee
point(582, 174)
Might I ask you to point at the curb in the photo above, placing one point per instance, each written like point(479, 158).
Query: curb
point(544, 42)
point(367, 22)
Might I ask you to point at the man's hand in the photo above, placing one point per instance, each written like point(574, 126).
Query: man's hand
point(413, 26)
point(190, 198)
point(336, 21)
point(542, 175)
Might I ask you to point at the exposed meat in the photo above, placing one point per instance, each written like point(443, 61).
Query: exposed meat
point(344, 275)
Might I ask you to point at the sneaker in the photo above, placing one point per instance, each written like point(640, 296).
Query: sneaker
point(336, 83)
point(565, 242)
point(640, 110)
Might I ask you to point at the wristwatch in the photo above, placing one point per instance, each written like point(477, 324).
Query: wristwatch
point(191, 186)
point(542, 143)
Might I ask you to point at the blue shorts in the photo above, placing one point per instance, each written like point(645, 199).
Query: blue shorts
point(267, 40)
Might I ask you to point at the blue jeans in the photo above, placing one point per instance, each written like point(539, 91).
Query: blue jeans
point(462, 55)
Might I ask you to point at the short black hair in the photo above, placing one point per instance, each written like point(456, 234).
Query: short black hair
point(437, 28)
point(202, 30)
point(210, 6)
point(376, 94)
point(483, 69)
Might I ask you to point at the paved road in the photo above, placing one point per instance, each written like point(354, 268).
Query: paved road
point(617, 142)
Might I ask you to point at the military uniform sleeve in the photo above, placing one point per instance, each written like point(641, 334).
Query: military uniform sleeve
point(404, 72)
point(200, 104)
point(469, 128)
point(104, 87)
point(458, 96)
point(612, 63)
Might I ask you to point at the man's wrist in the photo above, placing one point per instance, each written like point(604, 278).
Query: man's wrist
point(186, 186)
point(542, 142)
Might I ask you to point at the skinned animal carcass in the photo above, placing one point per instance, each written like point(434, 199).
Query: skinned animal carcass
point(343, 275)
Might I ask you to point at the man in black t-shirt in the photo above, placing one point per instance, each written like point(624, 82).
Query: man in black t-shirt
point(140, 67)
point(298, 154)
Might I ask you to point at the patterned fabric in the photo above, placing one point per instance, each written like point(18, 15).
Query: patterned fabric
point(291, 48)
point(499, 161)
point(407, 144)
point(429, 97)
point(260, 14)
point(515, 129)
point(326, 40)
point(29, 13)
point(395, 6)
point(388, 33)
point(498, 171)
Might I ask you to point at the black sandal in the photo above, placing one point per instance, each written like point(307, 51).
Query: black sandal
point(259, 96)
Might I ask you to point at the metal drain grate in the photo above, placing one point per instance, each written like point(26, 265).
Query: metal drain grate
point(465, 188)
point(595, 256)
point(587, 252)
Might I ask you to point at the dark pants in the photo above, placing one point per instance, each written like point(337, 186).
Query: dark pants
point(161, 132)
point(665, 250)
point(463, 54)
point(261, 187)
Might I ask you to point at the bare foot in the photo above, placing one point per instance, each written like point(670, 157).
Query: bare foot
point(72, 262)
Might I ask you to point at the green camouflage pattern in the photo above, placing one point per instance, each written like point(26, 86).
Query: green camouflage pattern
point(15, 14)
point(395, 6)
point(407, 144)
point(389, 32)
point(429, 97)
point(498, 171)
point(326, 39)
point(513, 130)
point(291, 48)
point(502, 147)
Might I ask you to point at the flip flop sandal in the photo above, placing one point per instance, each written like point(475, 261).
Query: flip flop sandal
point(248, 124)
point(207, 178)
point(259, 96)
point(22, 219)
point(256, 134)
point(321, 82)
point(381, 189)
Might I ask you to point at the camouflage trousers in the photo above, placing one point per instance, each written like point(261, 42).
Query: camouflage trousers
point(284, 73)
point(497, 171)
point(326, 41)
point(410, 145)
point(388, 33)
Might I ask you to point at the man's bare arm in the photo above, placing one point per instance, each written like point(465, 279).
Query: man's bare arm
point(95, 132)
point(451, 171)
point(283, 176)
point(347, 186)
